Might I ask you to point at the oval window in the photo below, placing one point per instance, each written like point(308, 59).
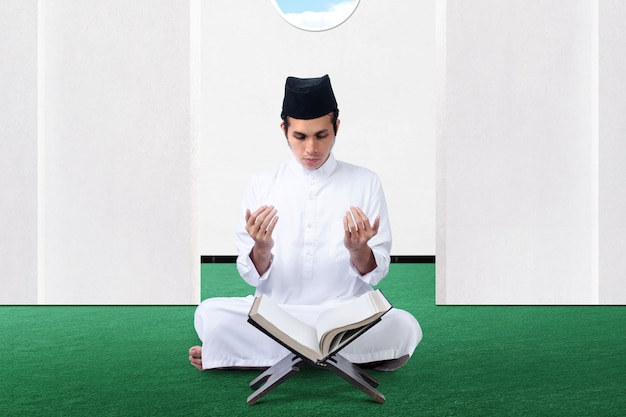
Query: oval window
point(316, 15)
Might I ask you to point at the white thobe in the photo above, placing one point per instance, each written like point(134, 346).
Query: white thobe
point(310, 267)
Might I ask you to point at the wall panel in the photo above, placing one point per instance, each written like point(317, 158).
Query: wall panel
point(612, 151)
point(516, 171)
point(18, 151)
point(117, 188)
point(382, 65)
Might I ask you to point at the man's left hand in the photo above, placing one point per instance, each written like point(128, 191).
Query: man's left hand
point(358, 230)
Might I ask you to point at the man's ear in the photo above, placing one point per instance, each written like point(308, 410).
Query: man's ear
point(337, 128)
point(283, 128)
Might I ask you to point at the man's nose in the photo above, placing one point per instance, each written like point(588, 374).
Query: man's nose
point(310, 146)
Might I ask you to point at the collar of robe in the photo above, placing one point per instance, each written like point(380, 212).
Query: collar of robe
point(322, 172)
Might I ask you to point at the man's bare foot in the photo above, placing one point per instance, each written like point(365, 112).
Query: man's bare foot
point(195, 356)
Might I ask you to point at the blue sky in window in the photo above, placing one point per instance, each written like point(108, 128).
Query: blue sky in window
point(316, 14)
point(299, 6)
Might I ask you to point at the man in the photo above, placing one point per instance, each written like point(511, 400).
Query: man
point(306, 241)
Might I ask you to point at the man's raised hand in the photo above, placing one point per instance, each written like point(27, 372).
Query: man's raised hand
point(358, 230)
point(260, 224)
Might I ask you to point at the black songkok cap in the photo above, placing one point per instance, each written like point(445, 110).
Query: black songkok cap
point(308, 98)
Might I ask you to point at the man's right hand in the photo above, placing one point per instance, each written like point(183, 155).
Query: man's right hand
point(260, 226)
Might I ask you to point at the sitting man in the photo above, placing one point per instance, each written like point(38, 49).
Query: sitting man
point(324, 248)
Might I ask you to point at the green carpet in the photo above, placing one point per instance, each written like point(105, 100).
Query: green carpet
point(473, 361)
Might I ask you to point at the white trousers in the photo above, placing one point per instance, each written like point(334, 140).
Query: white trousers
point(228, 340)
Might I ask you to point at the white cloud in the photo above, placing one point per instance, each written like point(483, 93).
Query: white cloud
point(322, 20)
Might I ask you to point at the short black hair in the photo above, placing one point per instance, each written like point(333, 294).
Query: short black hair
point(334, 117)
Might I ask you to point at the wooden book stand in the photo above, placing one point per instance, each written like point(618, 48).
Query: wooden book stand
point(286, 367)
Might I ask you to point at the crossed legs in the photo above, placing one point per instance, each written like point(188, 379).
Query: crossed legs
point(229, 342)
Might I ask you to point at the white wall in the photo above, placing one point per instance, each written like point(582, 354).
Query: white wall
point(130, 128)
point(99, 144)
point(612, 151)
point(117, 182)
point(382, 66)
point(18, 151)
point(112, 108)
point(530, 173)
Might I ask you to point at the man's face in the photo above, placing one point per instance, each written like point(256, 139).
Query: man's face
point(311, 140)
